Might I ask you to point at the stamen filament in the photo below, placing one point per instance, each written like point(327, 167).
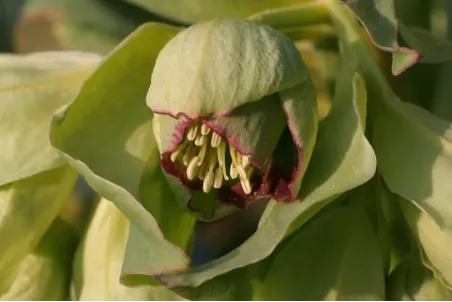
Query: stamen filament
point(208, 182)
point(246, 186)
point(221, 150)
point(178, 150)
point(212, 159)
point(241, 171)
point(232, 153)
point(202, 172)
point(233, 171)
point(202, 154)
point(187, 156)
point(218, 178)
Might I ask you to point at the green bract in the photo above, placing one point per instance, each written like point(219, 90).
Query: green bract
point(235, 112)
point(99, 258)
point(35, 182)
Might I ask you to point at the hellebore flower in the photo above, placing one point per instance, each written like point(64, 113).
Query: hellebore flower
point(230, 111)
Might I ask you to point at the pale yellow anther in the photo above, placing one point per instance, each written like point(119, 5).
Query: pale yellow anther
point(200, 139)
point(205, 130)
point(233, 171)
point(237, 161)
point(193, 168)
point(207, 161)
point(208, 182)
point(191, 135)
point(245, 160)
point(202, 171)
point(216, 140)
point(178, 150)
point(218, 178)
point(174, 155)
point(241, 171)
point(246, 186)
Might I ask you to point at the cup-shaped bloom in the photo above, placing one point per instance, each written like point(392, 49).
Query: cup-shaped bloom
point(234, 111)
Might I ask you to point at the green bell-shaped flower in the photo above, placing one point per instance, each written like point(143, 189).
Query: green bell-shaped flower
point(235, 111)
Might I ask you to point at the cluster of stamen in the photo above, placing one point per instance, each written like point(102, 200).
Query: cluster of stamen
point(203, 153)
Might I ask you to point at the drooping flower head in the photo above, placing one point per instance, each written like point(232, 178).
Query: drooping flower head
point(235, 112)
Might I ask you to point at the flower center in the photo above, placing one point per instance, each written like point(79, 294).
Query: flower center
point(203, 152)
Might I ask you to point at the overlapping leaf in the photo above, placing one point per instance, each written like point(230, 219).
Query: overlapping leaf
point(336, 257)
point(205, 10)
point(34, 182)
point(414, 151)
point(412, 281)
point(32, 88)
point(44, 274)
point(413, 147)
point(28, 208)
point(106, 135)
point(434, 242)
point(384, 22)
point(293, 16)
point(75, 24)
point(99, 260)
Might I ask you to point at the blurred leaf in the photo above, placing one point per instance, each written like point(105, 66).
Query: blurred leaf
point(402, 59)
point(315, 61)
point(293, 16)
point(106, 135)
point(414, 152)
point(44, 274)
point(86, 25)
point(236, 285)
point(441, 104)
point(379, 18)
point(32, 88)
point(204, 10)
point(27, 209)
point(34, 185)
point(412, 281)
point(342, 160)
point(433, 49)
point(384, 18)
point(413, 147)
point(399, 239)
point(9, 11)
point(435, 242)
point(99, 260)
point(335, 257)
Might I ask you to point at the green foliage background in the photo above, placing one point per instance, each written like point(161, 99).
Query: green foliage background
point(86, 212)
